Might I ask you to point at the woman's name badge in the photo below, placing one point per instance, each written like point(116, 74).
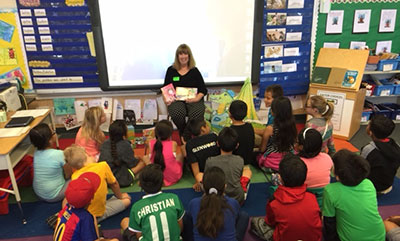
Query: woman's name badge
point(176, 78)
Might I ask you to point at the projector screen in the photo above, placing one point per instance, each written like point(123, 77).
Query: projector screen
point(136, 40)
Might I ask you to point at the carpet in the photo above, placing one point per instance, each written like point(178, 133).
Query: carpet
point(37, 212)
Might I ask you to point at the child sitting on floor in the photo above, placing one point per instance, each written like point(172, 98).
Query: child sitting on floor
point(245, 131)
point(382, 153)
point(158, 215)
point(119, 155)
point(321, 111)
point(350, 209)
point(74, 222)
point(200, 148)
point(51, 173)
point(163, 152)
point(215, 216)
point(279, 138)
point(100, 207)
point(319, 164)
point(89, 136)
point(292, 213)
point(237, 177)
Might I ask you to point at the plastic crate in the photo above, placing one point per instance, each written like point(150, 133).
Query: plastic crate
point(384, 90)
point(387, 64)
point(394, 108)
point(383, 110)
point(396, 90)
point(365, 116)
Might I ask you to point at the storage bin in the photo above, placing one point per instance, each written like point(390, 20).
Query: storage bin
point(384, 90)
point(383, 110)
point(395, 109)
point(396, 90)
point(365, 116)
point(387, 64)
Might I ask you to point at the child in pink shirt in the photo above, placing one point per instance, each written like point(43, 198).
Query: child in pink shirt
point(319, 164)
point(89, 136)
point(163, 152)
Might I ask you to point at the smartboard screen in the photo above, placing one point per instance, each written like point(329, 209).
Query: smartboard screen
point(136, 40)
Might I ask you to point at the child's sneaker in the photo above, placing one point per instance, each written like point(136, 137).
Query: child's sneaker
point(275, 179)
point(52, 221)
point(245, 182)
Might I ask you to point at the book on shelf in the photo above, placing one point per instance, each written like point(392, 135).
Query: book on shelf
point(169, 92)
point(183, 93)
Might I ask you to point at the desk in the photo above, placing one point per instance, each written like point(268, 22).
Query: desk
point(14, 148)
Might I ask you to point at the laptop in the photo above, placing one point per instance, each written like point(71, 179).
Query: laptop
point(19, 121)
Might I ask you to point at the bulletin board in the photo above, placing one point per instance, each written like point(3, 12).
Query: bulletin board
point(56, 35)
point(12, 60)
point(286, 44)
point(347, 34)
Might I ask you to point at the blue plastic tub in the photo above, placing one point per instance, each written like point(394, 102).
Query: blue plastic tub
point(387, 64)
point(394, 108)
point(384, 90)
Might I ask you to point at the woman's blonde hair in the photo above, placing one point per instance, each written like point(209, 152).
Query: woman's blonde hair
point(184, 48)
point(91, 124)
point(324, 107)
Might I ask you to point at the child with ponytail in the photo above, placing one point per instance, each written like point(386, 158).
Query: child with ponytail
point(119, 155)
point(321, 112)
point(89, 136)
point(163, 152)
point(214, 216)
point(51, 173)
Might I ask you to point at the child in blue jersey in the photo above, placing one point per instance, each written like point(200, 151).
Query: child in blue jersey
point(74, 222)
point(215, 216)
point(158, 215)
point(51, 173)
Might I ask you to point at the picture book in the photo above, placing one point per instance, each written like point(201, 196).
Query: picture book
point(183, 93)
point(169, 92)
point(320, 75)
point(350, 78)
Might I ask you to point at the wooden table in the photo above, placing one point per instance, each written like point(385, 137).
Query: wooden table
point(13, 149)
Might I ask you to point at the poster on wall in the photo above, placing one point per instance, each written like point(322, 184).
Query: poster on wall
point(383, 47)
point(388, 20)
point(334, 22)
point(361, 21)
point(337, 99)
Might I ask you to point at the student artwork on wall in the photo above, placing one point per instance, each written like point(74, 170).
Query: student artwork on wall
point(383, 47)
point(357, 44)
point(361, 21)
point(334, 22)
point(388, 20)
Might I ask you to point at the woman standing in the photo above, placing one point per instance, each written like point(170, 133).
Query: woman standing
point(183, 73)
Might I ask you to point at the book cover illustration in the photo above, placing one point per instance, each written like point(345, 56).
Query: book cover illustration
point(320, 75)
point(350, 78)
point(183, 93)
point(169, 93)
